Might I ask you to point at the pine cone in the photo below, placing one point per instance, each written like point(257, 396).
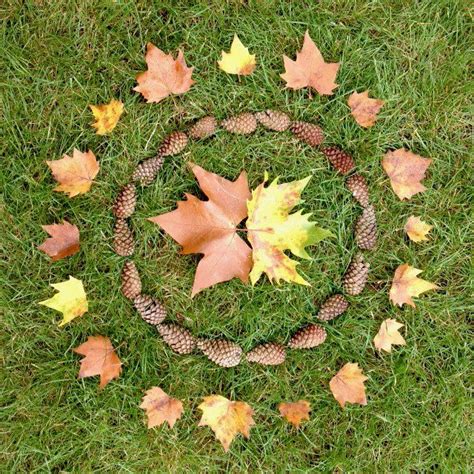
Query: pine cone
point(339, 159)
point(203, 128)
point(221, 351)
point(358, 187)
point(242, 124)
point(269, 353)
point(309, 133)
point(333, 307)
point(366, 229)
point(308, 337)
point(146, 171)
point(173, 144)
point(356, 276)
point(177, 337)
point(131, 283)
point(274, 120)
point(124, 244)
point(150, 309)
point(124, 205)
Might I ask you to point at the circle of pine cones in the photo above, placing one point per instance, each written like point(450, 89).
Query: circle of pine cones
point(223, 352)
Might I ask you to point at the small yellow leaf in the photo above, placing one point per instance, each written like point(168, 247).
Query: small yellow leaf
point(107, 116)
point(295, 412)
point(417, 229)
point(71, 299)
point(238, 60)
point(388, 335)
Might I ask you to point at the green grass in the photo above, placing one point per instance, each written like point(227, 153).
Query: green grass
point(59, 57)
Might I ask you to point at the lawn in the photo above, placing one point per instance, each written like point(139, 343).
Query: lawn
point(59, 57)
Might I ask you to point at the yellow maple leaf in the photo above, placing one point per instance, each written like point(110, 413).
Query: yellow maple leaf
point(388, 335)
point(71, 299)
point(107, 116)
point(272, 230)
point(238, 60)
point(417, 229)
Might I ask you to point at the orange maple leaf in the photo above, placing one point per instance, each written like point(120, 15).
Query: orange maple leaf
point(165, 75)
point(160, 407)
point(416, 229)
point(388, 335)
point(64, 240)
point(295, 412)
point(405, 170)
point(74, 174)
point(100, 359)
point(363, 109)
point(310, 69)
point(210, 228)
point(347, 385)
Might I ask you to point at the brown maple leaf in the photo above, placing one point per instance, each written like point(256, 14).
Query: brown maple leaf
point(363, 109)
point(405, 170)
point(388, 335)
point(210, 228)
point(347, 385)
point(160, 407)
point(165, 75)
point(100, 359)
point(64, 240)
point(310, 69)
point(295, 412)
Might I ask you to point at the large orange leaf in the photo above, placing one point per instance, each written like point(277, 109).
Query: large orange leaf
point(210, 228)
point(160, 407)
point(64, 240)
point(347, 385)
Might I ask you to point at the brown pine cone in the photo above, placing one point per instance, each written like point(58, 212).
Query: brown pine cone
point(221, 351)
point(173, 144)
point(309, 133)
point(131, 283)
point(146, 171)
point(274, 120)
point(203, 128)
point(308, 337)
point(366, 229)
point(269, 353)
point(241, 124)
point(150, 309)
point(178, 338)
point(356, 276)
point(358, 187)
point(124, 244)
point(332, 308)
point(124, 205)
point(339, 159)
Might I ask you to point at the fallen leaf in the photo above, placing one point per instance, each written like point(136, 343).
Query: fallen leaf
point(238, 60)
point(405, 170)
point(226, 418)
point(70, 300)
point(160, 407)
point(100, 359)
point(165, 75)
point(417, 229)
point(107, 116)
point(406, 284)
point(64, 240)
point(363, 109)
point(210, 228)
point(347, 385)
point(388, 335)
point(310, 69)
point(295, 412)
point(74, 174)
point(272, 230)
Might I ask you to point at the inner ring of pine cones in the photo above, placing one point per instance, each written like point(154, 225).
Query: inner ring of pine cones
point(222, 351)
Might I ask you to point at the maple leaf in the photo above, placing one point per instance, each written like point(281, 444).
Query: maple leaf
point(388, 335)
point(405, 170)
point(405, 284)
point(210, 228)
point(226, 418)
point(347, 385)
point(417, 229)
point(100, 359)
point(272, 230)
point(160, 407)
point(74, 174)
point(238, 60)
point(310, 69)
point(64, 240)
point(71, 299)
point(165, 75)
point(295, 412)
point(107, 116)
point(364, 109)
